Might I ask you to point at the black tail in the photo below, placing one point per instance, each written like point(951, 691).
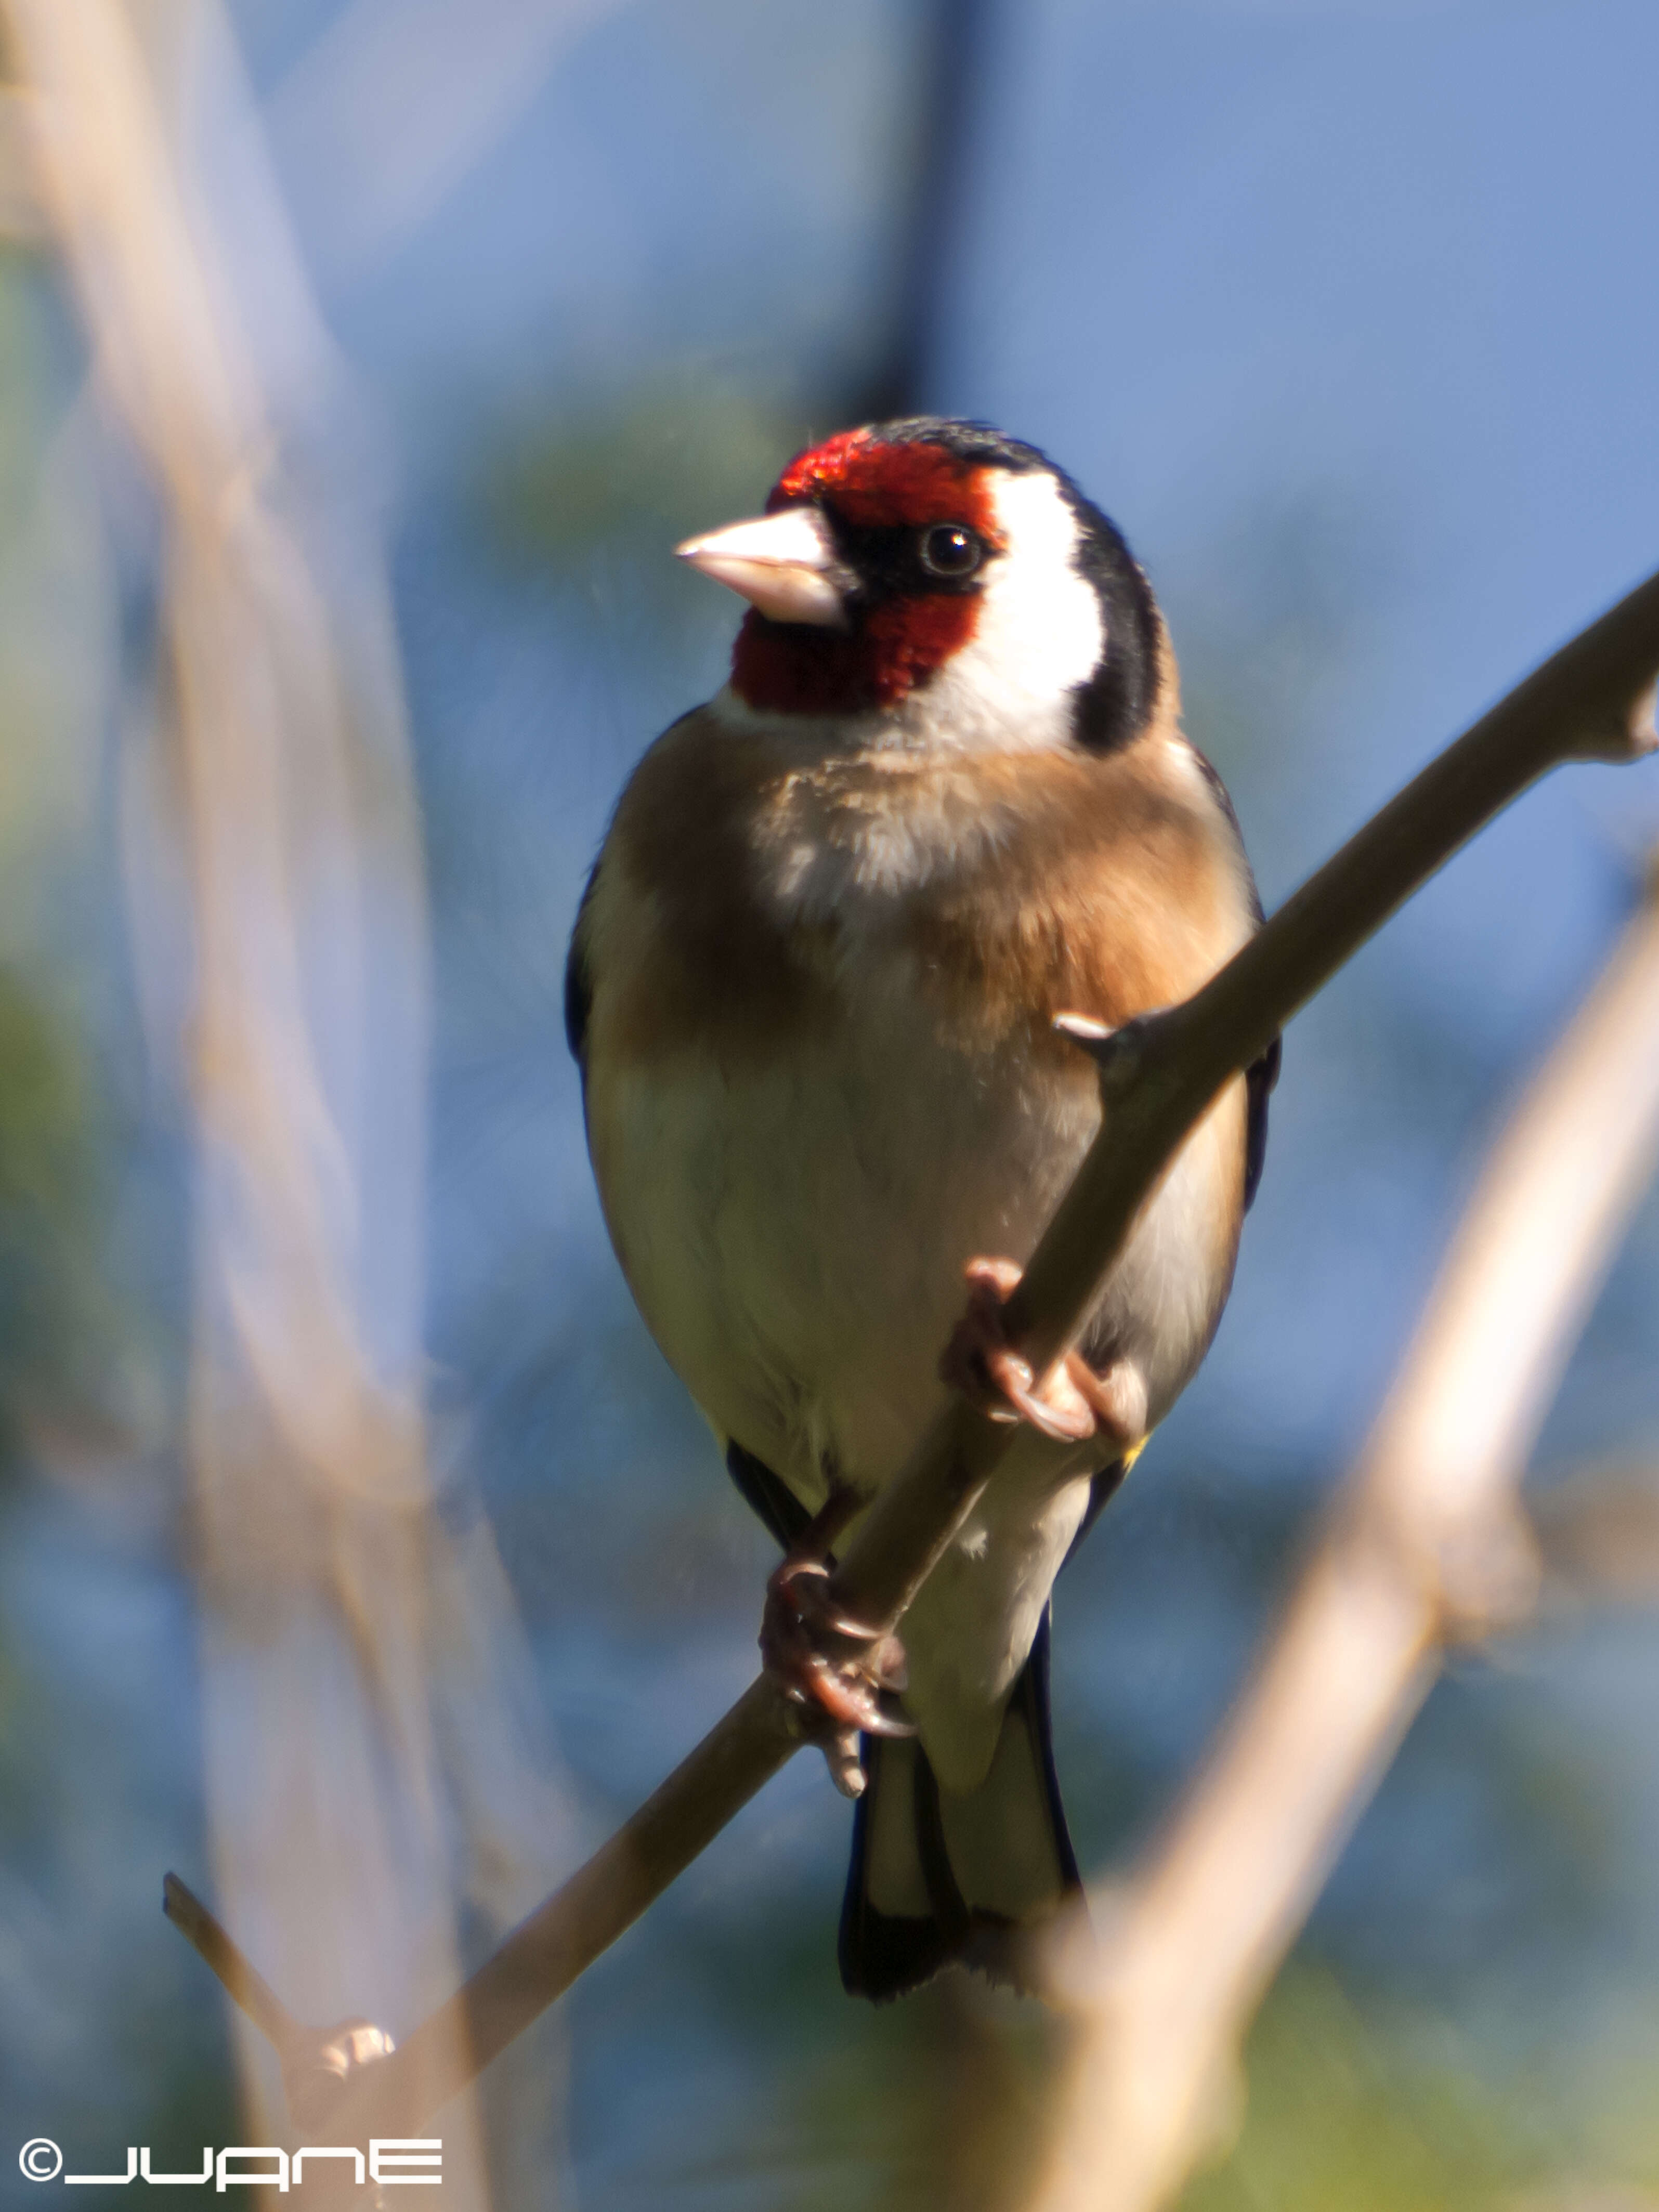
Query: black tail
point(936, 1876)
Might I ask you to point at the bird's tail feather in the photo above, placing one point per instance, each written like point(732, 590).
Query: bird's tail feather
point(936, 1876)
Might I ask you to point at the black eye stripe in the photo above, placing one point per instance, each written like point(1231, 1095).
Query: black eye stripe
point(904, 560)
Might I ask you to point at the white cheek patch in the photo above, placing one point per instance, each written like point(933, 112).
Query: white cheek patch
point(1041, 633)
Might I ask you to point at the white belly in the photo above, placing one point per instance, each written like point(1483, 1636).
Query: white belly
point(795, 1232)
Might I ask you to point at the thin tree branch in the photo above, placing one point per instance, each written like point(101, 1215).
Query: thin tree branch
point(1427, 1544)
point(239, 1975)
point(1592, 700)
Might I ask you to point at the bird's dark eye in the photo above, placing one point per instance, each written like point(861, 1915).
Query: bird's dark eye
point(948, 551)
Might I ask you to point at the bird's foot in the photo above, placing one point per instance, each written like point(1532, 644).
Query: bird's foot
point(1072, 1403)
point(840, 1676)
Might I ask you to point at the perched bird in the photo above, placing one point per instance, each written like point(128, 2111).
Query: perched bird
point(817, 987)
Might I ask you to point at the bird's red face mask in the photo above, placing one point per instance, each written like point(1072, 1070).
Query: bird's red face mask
point(862, 575)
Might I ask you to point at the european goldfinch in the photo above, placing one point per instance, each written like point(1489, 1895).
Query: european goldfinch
point(817, 988)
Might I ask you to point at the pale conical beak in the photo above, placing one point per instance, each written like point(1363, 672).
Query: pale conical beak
point(785, 564)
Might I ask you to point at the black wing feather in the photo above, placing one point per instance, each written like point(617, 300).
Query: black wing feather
point(767, 1496)
point(1259, 1080)
point(577, 977)
point(1261, 1074)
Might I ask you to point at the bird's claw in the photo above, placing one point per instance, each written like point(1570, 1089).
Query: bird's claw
point(840, 1677)
point(1070, 1404)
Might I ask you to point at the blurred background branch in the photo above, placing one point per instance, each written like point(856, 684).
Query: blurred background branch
point(334, 1600)
point(1597, 1533)
point(21, 219)
point(1425, 1547)
point(956, 47)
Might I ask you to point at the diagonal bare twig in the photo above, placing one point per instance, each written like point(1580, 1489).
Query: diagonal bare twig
point(241, 1978)
point(1592, 700)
